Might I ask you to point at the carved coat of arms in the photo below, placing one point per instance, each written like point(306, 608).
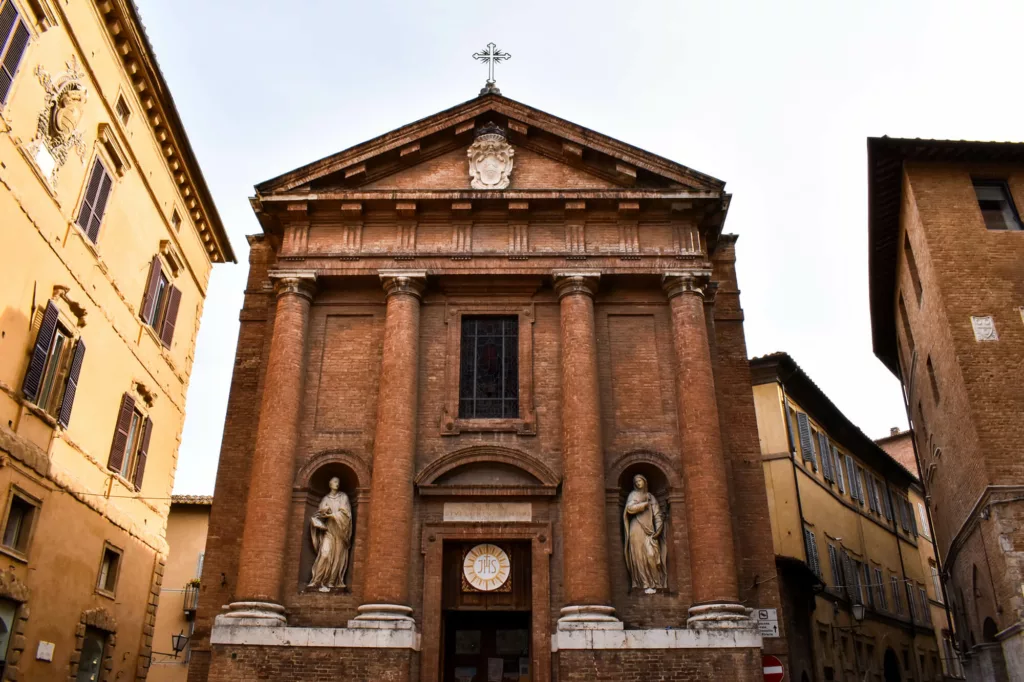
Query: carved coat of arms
point(57, 132)
point(490, 159)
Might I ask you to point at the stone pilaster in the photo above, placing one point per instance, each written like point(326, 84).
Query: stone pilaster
point(709, 520)
point(386, 588)
point(261, 563)
point(586, 580)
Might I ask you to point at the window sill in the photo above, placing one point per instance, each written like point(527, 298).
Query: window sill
point(154, 335)
point(105, 593)
point(14, 554)
point(42, 414)
point(523, 426)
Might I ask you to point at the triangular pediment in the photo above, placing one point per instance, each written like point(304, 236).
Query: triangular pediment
point(550, 153)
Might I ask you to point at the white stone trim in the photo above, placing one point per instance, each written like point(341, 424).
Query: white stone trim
point(339, 638)
point(680, 638)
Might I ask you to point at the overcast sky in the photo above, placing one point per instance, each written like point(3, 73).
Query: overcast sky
point(775, 98)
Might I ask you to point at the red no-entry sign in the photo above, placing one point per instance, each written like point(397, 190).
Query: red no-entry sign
point(773, 671)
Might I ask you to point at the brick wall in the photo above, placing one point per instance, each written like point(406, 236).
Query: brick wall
point(310, 664)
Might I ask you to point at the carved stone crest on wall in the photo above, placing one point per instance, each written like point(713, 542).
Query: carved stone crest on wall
point(490, 159)
point(57, 132)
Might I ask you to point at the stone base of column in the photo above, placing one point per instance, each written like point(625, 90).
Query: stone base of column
point(720, 616)
point(252, 613)
point(383, 617)
point(589, 617)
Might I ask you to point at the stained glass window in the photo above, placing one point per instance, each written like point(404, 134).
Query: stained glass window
point(489, 371)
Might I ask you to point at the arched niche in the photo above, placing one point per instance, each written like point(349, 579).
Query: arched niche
point(662, 476)
point(487, 470)
point(312, 484)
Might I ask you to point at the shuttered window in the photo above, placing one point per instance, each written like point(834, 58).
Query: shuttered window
point(886, 502)
point(803, 428)
point(130, 447)
point(811, 546)
point(851, 472)
point(883, 602)
point(897, 602)
point(838, 460)
point(51, 381)
point(869, 599)
point(926, 614)
point(13, 42)
point(833, 562)
point(94, 204)
point(904, 522)
point(826, 457)
point(911, 517)
point(160, 303)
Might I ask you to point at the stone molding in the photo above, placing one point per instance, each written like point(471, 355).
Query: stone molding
point(682, 638)
point(720, 616)
point(395, 282)
point(251, 614)
point(298, 282)
point(568, 283)
point(337, 638)
point(689, 282)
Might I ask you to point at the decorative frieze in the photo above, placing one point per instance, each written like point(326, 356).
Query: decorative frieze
point(575, 229)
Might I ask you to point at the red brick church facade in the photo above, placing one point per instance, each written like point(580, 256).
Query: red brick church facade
point(487, 350)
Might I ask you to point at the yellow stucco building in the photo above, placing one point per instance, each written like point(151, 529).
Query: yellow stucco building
point(187, 527)
point(848, 542)
point(109, 237)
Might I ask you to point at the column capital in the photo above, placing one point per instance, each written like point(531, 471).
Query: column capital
point(686, 282)
point(299, 282)
point(568, 282)
point(412, 282)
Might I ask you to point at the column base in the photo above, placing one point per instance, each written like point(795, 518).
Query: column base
point(252, 613)
point(383, 617)
point(720, 616)
point(589, 617)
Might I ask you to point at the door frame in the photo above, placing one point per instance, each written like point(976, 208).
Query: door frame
point(432, 546)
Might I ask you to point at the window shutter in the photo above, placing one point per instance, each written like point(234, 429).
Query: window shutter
point(833, 564)
point(867, 585)
point(91, 190)
point(871, 496)
point(838, 461)
point(100, 207)
point(903, 516)
point(886, 502)
point(803, 427)
point(15, 48)
point(124, 423)
point(826, 456)
point(140, 466)
point(883, 603)
point(34, 375)
point(812, 552)
point(922, 596)
point(149, 298)
point(851, 474)
point(68, 401)
point(912, 518)
point(171, 316)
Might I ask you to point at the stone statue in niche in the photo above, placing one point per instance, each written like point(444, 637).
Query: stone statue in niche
point(644, 538)
point(331, 530)
point(490, 159)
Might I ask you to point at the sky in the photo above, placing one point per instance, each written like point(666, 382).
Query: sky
point(775, 98)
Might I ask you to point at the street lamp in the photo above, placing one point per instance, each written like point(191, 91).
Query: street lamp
point(179, 642)
point(858, 612)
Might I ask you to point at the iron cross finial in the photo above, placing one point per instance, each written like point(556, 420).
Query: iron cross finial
point(491, 55)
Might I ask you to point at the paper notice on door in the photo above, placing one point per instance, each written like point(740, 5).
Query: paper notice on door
point(465, 674)
point(495, 668)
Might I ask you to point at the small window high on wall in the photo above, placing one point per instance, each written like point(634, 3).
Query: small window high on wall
point(489, 367)
point(996, 205)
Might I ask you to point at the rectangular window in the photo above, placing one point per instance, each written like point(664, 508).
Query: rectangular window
point(915, 278)
point(176, 220)
point(123, 112)
point(905, 323)
point(21, 514)
point(896, 603)
point(130, 447)
point(865, 586)
point(922, 515)
point(90, 660)
point(996, 205)
point(160, 303)
point(110, 567)
point(489, 369)
point(826, 457)
point(851, 474)
point(879, 586)
point(13, 42)
point(833, 562)
point(936, 580)
point(811, 547)
point(837, 460)
point(886, 502)
point(922, 595)
point(94, 204)
point(51, 381)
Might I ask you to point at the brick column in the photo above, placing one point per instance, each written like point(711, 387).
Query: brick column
point(586, 581)
point(386, 587)
point(709, 520)
point(261, 563)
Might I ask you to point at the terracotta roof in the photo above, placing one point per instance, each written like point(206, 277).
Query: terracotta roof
point(781, 367)
point(192, 499)
point(886, 156)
